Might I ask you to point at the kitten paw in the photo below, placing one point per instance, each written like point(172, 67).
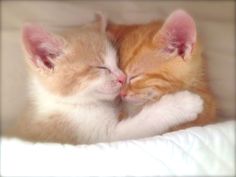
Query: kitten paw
point(187, 104)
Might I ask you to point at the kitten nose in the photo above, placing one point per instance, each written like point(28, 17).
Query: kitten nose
point(121, 79)
point(123, 93)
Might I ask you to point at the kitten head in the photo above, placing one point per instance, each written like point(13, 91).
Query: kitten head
point(157, 58)
point(80, 62)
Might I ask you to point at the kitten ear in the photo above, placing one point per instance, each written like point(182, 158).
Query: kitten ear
point(101, 21)
point(42, 47)
point(178, 34)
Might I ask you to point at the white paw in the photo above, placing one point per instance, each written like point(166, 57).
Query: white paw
point(186, 104)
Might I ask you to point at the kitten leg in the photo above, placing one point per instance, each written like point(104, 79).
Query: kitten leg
point(171, 110)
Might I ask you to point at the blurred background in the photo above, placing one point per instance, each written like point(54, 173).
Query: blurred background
point(215, 24)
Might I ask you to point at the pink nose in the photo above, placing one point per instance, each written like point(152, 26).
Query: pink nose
point(123, 93)
point(121, 79)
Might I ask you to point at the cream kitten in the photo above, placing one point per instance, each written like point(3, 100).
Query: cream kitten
point(74, 83)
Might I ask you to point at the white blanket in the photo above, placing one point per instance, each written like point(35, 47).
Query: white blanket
point(196, 151)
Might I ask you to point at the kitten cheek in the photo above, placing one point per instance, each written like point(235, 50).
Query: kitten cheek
point(111, 87)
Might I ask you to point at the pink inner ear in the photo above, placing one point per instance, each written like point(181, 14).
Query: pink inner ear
point(179, 32)
point(41, 45)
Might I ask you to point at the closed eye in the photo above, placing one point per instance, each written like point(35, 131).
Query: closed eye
point(134, 77)
point(103, 68)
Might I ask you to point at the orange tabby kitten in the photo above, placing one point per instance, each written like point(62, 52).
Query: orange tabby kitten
point(160, 58)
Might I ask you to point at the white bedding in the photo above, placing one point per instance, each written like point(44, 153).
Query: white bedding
point(198, 151)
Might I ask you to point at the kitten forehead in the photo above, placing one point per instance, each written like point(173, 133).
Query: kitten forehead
point(87, 46)
point(150, 61)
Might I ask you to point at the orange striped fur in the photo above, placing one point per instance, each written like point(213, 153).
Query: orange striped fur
point(139, 58)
